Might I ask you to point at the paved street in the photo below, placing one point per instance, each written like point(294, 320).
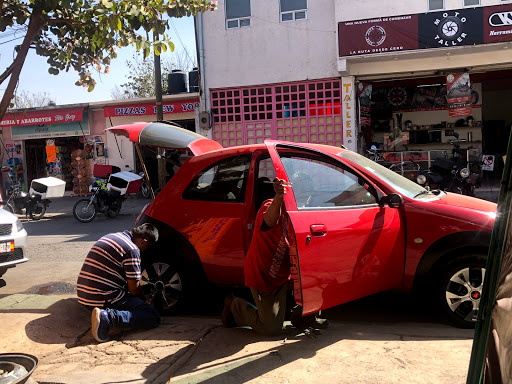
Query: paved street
point(388, 338)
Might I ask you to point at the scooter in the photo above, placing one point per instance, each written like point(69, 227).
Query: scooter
point(17, 201)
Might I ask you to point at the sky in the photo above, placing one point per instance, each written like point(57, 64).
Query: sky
point(34, 77)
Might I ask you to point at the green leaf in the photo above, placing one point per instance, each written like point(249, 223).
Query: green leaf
point(90, 88)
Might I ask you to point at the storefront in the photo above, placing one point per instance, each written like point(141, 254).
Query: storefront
point(38, 143)
point(421, 80)
point(118, 150)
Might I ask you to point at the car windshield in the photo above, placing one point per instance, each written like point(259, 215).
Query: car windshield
point(401, 184)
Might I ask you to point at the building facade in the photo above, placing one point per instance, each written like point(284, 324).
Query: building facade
point(359, 74)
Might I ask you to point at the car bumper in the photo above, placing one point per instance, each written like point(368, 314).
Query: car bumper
point(10, 259)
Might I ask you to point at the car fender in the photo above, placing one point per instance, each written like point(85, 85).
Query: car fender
point(171, 241)
point(439, 253)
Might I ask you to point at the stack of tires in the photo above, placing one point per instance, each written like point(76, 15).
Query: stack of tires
point(81, 172)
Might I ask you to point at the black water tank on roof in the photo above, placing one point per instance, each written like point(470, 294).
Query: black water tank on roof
point(176, 82)
point(193, 80)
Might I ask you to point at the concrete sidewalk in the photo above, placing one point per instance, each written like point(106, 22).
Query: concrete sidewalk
point(199, 350)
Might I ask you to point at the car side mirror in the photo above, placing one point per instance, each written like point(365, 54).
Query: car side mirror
point(393, 200)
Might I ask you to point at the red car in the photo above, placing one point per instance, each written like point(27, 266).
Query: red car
point(360, 228)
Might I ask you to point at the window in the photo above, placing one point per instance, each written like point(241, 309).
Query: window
point(321, 184)
point(469, 3)
point(435, 4)
point(223, 181)
point(238, 13)
point(294, 10)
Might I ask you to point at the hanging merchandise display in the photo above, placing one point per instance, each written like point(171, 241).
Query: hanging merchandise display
point(81, 172)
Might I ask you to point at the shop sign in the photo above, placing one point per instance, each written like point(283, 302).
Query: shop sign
point(488, 162)
point(150, 109)
point(458, 94)
point(42, 117)
point(450, 28)
point(349, 108)
point(48, 131)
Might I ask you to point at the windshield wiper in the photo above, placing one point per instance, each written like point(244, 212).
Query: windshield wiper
point(424, 192)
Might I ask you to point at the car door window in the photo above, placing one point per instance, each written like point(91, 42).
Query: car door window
point(322, 183)
point(223, 181)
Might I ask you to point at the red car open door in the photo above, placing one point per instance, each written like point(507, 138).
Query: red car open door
point(347, 245)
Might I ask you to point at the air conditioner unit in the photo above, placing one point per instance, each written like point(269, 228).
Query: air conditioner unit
point(204, 120)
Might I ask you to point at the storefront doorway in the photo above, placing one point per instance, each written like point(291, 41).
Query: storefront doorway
point(38, 167)
point(411, 116)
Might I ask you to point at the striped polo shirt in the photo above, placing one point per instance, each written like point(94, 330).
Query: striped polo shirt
point(111, 261)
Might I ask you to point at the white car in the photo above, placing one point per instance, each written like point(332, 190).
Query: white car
point(13, 241)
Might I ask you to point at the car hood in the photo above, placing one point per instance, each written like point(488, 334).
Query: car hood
point(470, 210)
point(470, 203)
point(7, 217)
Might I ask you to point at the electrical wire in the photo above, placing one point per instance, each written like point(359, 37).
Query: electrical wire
point(181, 42)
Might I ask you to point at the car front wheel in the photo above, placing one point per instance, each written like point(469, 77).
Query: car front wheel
point(460, 289)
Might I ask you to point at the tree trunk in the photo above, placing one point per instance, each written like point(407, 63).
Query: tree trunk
point(34, 27)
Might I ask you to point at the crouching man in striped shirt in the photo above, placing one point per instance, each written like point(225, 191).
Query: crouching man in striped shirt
point(109, 282)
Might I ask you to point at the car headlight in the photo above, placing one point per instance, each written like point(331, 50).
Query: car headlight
point(464, 172)
point(19, 226)
point(421, 179)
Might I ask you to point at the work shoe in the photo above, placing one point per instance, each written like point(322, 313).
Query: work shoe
point(227, 317)
point(100, 324)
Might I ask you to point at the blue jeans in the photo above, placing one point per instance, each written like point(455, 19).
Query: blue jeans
point(132, 312)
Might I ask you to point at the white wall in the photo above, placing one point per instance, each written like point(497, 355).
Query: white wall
point(269, 51)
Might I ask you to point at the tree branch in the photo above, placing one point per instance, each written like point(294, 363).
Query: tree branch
point(6, 73)
point(34, 27)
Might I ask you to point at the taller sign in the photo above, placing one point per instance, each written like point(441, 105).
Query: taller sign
point(348, 95)
point(450, 28)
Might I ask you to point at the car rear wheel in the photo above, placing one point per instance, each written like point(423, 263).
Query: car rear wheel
point(460, 289)
point(163, 286)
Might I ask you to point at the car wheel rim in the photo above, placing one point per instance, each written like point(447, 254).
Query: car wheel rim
point(162, 285)
point(463, 292)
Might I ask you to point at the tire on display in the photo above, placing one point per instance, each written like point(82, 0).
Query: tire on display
point(459, 289)
point(38, 211)
point(83, 212)
point(163, 286)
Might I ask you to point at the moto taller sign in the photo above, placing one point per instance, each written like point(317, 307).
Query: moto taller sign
point(451, 28)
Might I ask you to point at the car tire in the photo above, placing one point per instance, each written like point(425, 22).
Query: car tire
point(164, 286)
point(459, 289)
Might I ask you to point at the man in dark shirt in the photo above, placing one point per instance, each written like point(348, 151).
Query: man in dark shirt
point(109, 282)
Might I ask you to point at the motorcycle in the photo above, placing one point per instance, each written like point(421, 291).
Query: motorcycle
point(102, 200)
point(17, 201)
point(451, 175)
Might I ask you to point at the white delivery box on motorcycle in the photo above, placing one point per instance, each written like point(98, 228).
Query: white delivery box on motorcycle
point(124, 182)
point(47, 187)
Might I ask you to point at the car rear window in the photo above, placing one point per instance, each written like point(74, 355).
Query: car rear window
point(224, 181)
